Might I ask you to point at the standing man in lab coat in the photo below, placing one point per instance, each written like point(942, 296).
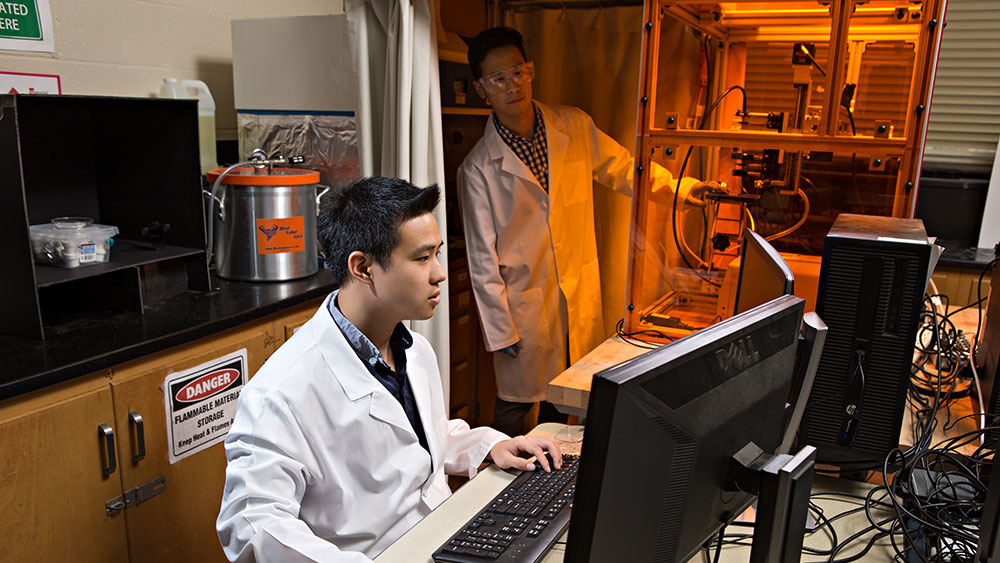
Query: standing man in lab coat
point(528, 212)
point(341, 441)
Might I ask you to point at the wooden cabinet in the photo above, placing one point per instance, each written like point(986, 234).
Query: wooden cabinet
point(289, 321)
point(473, 387)
point(179, 523)
point(53, 494)
point(462, 332)
point(52, 487)
point(473, 383)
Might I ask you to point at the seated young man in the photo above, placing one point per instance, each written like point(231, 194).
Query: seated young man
point(341, 441)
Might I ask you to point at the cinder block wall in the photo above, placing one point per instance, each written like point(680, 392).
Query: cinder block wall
point(127, 47)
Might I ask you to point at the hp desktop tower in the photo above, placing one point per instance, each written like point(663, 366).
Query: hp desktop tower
point(871, 288)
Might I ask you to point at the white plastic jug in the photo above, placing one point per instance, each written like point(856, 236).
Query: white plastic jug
point(173, 88)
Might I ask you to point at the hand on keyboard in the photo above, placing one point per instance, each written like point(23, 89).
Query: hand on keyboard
point(520, 524)
point(512, 453)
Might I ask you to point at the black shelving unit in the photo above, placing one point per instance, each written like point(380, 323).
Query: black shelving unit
point(127, 162)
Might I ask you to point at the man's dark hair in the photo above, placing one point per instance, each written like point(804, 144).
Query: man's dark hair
point(490, 39)
point(365, 216)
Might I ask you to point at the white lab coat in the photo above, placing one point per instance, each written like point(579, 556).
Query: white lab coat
point(323, 463)
point(532, 255)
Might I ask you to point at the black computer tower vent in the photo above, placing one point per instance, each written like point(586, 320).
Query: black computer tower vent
point(871, 286)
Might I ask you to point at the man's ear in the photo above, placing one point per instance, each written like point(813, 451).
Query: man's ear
point(480, 90)
point(359, 267)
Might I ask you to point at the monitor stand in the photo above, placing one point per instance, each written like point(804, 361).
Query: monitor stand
point(782, 484)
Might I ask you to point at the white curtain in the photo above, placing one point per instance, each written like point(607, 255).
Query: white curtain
point(399, 114)
point(589, 58)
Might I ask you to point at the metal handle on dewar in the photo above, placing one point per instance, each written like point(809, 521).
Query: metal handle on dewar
point(320, 195)
point(219, 200)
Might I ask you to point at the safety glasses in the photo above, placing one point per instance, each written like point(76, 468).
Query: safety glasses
point(516, 75)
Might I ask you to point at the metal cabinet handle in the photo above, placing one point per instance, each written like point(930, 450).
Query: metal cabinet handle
point(109, 448)
point(140, 436)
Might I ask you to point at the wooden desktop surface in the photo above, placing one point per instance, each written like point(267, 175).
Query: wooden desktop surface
point(570, 390)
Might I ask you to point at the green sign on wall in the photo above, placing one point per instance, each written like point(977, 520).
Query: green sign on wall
point(20, 20)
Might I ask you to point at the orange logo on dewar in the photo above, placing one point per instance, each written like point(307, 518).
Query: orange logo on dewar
point(281, 235)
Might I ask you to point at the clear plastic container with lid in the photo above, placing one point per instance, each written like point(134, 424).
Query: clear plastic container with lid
point(71, 242)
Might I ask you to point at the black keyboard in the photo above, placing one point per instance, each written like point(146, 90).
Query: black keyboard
point(521, 523)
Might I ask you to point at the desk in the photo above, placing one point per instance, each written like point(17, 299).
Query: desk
point(570, 390)
point(423, 539)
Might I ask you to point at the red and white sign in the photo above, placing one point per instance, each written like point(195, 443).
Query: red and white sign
point(201, 402)
point(206, 385)
point(28, 83)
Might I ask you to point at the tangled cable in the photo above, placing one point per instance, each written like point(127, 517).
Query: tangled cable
point(930, 500)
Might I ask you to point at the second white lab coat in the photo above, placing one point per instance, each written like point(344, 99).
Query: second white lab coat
point(533, 255)
point(323, 463)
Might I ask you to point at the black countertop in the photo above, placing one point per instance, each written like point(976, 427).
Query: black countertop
point(78, 346)
point(960, 256)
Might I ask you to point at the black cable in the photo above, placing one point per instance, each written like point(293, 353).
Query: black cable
point(899, 508)
point(936, 492)
point(822, 523)
point(979, 294)
point(630, 337)
point(673, 223)
point(718, 547)
point(680, 178)
point(871, 542)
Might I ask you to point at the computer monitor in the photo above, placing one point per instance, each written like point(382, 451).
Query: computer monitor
point(763, 276)
point(667, 432)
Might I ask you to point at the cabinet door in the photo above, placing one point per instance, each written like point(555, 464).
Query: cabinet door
point(287, 322)
point(52, 487)
point(179, 523)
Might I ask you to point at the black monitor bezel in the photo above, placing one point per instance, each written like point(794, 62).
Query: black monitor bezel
point(778, 266)
point(608, 384)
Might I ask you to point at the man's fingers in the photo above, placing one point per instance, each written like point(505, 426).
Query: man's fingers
point(539, 454)
point(555, 452)
point(553, 448)
point(511, 453)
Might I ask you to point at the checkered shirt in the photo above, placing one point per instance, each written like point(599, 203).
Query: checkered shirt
point(533, 152)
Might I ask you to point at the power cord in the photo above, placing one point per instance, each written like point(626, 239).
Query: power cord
point(680, 178)
point(630, 337)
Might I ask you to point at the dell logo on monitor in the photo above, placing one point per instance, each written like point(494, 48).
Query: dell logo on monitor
point(738, 356)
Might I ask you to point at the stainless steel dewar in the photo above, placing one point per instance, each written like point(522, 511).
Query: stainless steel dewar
point(264, 224)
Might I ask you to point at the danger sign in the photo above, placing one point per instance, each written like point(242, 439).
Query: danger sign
point(201, 403)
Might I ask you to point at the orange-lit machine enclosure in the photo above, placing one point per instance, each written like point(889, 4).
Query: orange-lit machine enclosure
point(788, 113)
